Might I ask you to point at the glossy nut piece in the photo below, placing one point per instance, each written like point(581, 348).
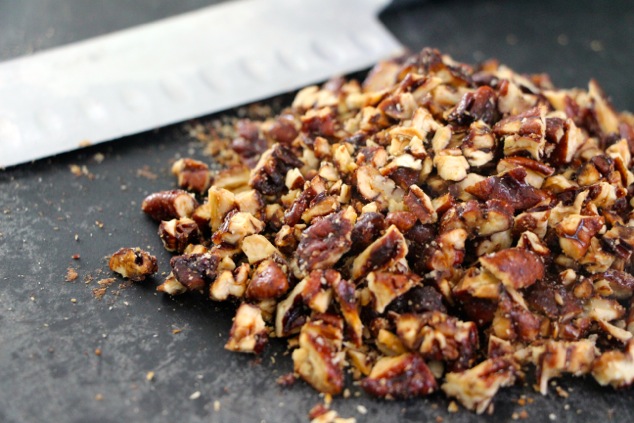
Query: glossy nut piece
point(177, 234)
point(193, 175)
point(133, 263)
point(168, 205)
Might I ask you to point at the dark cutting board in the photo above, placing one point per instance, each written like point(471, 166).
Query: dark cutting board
point(67, 357)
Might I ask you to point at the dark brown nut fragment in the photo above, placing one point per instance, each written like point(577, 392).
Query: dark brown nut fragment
point(524, 133)
point(268, 281)
point(476, 387)
point(367, 228)
point(387, 286)
point(248, 332)
point(619, 240)
point(133, 263)
point(614, 284)
point(559, 357)
point(283, 129)
point(311, 294)
point(575, 233)
point(269, 175)
point(321, 205)
point(553, 300)
point(473, 106)
point(167, 205)
point(177, 234)
point(195, 271)
point(402, 376)
point(403, 220)
point(375, 187)
point(420, 205)
point(615, 368)
point(321, 122)
point(324, 242)
point(568, 144)
point(293, 214)
point(438, 336)
point(513, 321)
point(516, 268)
point(381, 254)
point(419, 299)
point(193, 175)
point(344, 294)
point(510, 188)
point(237, 226)
point(319, 358)
point(478, 146)
point(477, 294)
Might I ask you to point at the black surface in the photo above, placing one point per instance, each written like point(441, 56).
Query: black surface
point(48, 367)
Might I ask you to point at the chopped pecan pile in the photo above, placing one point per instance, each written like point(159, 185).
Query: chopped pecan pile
point(438, 226)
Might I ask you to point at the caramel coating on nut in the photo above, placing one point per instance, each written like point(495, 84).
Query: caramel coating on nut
point(133, 263)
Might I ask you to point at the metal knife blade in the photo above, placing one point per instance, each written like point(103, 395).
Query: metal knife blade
point(180, 68)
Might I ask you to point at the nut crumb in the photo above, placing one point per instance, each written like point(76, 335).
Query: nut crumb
point(149, 376)
point(216, 405)
point(71, 274)
point(195, 395)
point(175, 331)
point(361, 409)
point(98, 352)
point(98, 397)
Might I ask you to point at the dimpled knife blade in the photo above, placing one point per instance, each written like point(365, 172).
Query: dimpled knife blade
point(180, 68)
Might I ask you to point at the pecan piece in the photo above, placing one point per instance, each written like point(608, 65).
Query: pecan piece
point(344, 293)
point(195, 271)
point(438, 336)
point(420, 205)
point(558, 357)
point(476, 387)
point(268, 281)
point(381, 254)
point(177, 234)
point(387, 286)
point(510, 188)
point(237, 226)
point(319, 358)
point(167, 205)
point(268, 176)
point(402, 376)
point(133, 263)
point(615, 368)
point(514, 267)
point(248, 332)
point(324, 242)
point(311, 293)
point(193, 175)
point(575, 233)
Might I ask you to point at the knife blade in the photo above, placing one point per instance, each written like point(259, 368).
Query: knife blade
point(180, 68)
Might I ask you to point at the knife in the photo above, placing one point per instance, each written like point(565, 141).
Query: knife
point(180, 68)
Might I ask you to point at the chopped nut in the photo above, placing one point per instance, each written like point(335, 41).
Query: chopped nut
point(476, 387)
point(177, 234)
point(248, 333)
point(193, 175)
point(168, 205)
point(402, 376)
point(319, 359)
point(133, 263)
